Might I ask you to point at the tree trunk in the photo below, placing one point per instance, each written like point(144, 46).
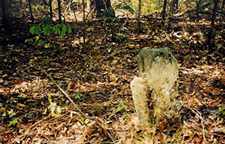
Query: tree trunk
point(175, 6)
point(104, 8)
point(212, 32)
point(83, 10)
point(223, 3)
point(198, 4)
point(30, 10)
point(164, 11)
point(139, 17)
point(84, 22)
point(50, 9)
point(3, 12)
point(59, 10)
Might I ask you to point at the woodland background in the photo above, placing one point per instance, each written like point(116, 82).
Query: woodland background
point(66, 67)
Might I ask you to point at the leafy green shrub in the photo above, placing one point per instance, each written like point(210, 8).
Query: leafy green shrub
point(62, 29)
point(35, 30)
point(47, 29)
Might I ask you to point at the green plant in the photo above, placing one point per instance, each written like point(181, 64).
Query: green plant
point(62, 29)
point(13, 122)
point(38, 41)
point(221, 111)
point(78, 96)
point(53, 109)
point(120, 108)
point(47, 29)
point(11, 115)
point(35, 29)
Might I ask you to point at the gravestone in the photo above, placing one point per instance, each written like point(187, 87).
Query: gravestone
point(154, 91)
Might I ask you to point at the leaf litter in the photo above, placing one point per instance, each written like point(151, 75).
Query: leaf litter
point(96, 77)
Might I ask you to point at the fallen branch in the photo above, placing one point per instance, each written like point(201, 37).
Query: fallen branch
point(82, 115)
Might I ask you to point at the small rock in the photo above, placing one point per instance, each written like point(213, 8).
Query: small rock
point(6, 83)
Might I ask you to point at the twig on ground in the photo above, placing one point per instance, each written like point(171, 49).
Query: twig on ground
point(198, 114)
point(18, 139)
point(82, 115)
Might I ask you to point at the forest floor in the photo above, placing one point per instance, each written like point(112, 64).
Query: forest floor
point(35, 83)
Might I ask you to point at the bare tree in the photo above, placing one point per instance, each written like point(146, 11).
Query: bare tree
point(175, 6)
point(83, 8)
point(3, 12)
point(222, 6)
point(84, 21)
point(104, 8)
point(198, 7)
point(163, 14)
point(59, 10)
point(30, 10)
point(50, 9)
point(139, 16)
point(211, 34)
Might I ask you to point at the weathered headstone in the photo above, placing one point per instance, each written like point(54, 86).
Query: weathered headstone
point(140, 92)
point(154, 92)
